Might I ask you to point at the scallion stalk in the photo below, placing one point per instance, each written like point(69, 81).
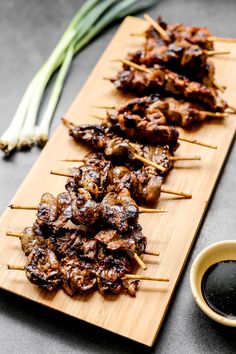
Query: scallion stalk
point(88, 22)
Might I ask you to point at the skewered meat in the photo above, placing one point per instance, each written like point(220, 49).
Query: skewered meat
point(177, 112)
point(85, 211)
point(29, 241)
point(65, 241)
point(110, 273)
point(182, 57)
point(119, 210)
point(133, 241)
point(146, 129)
point(162, 80)
point(43, 269)
point(178, 32)
point(94, 178)
point(117, 148)
point(47, 209)
point(78, 277)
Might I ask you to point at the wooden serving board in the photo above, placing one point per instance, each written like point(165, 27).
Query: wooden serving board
point(172, 234)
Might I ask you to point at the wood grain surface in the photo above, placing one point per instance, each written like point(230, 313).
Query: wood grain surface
point(172, 234)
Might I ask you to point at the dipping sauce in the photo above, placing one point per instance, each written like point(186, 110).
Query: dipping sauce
point(219, 288)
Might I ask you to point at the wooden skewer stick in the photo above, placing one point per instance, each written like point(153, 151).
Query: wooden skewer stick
point(14, 234)
point(135, 66)
point(211, 53)
point(104, 107)
point(108, 78)
point(71, 160)
point(185, 158)
point(68, 123)
point(150, 253)
point(157, 27)
point(63, 174)
point(172, 158)
point(219, 86)
point(15, 267)
point(149, 162)
point(194, 141)
point(148, 210)
point(232, 108)
point(143, 277)
point(140, 261)
point(214, 114)
point(169, 191)
point(220, 39)
point(27, 207)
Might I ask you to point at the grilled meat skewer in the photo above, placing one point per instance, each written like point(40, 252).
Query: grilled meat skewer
point(143, 81)
point(176, 112)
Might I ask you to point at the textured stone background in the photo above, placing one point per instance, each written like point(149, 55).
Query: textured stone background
point(28, 31)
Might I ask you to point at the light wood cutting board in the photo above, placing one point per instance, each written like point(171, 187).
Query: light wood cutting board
point(172, 234)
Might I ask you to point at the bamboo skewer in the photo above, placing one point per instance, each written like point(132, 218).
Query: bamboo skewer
point(27, 207)
point(143, 277)
point(219, 87)
point(14, 234)
point(212, 53)
point(169, 191)
point(150, 253)
point(148, 210)
point(15, 267)
point(127, 276)
point(221, 39)
point(197, 142)
point(149, 162)
point(157, 27)
point(140, 261)
point(185, 158)
point(172, 158)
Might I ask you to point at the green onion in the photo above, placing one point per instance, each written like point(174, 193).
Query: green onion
point(90, 20)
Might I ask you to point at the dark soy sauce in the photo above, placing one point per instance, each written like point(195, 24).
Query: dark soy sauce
point(219, 288)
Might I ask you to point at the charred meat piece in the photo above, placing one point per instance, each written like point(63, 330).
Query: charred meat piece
point(162, 80)
point(130, 242)
point(78, 277)
point(64, 210)
point(119, 210)
point(110, 273)
point(150, 128)
point(43, 269)
point(65, 241)
point(93, 134)
point(30, 240)
point(47, 209)
point(146, 186)
point(85, 210)
point(94, 178)
point(159, 154)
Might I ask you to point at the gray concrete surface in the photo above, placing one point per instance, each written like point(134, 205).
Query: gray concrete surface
point(28, 31)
